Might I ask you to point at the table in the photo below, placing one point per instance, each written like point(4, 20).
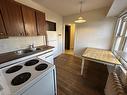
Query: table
point(99, 56)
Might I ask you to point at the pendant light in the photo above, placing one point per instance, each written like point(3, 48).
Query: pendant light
point(80, 19)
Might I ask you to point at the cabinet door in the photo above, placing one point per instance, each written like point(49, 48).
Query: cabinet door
point(41, 23)
point(29, 21)
point(12, 17)
point(3, 33)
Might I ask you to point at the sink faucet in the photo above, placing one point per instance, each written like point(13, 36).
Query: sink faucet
point(32, 46)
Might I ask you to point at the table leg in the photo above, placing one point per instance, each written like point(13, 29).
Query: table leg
point(82, 67)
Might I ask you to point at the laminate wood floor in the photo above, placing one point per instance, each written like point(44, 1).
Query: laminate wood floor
point(70, 82)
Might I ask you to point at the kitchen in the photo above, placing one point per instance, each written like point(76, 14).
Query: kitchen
point(33, 36)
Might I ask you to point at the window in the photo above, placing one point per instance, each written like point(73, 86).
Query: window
point(120, 39)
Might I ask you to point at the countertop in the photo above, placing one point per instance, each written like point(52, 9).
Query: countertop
point(101, 55)
point(6, 57)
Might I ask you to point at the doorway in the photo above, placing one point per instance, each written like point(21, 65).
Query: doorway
point(69, 39)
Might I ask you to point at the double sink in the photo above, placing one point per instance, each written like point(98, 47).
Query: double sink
point(24, 51)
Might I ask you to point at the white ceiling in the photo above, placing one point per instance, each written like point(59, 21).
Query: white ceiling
point(69, 7)
point(117, 7)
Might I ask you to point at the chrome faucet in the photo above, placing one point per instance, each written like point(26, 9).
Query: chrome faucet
point(32, 47)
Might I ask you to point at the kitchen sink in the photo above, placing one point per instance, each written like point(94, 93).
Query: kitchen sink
point(38, 49)
point(27, 51)
point(24, 51)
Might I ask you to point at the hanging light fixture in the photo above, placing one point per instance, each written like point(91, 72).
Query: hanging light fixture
point(80, 18)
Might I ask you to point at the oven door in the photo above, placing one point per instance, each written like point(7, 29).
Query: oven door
point(45, 86)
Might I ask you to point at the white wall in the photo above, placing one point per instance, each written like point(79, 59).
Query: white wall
point(97, 35)
point(97, 32)
point(14, 43)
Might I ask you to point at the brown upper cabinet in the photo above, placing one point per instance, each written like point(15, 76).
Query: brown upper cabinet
point(29, 21)
point(12, 18)
point(19, 20)
point(41, 23)
point(3, 33)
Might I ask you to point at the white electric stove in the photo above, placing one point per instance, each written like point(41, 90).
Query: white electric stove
point(29, 77)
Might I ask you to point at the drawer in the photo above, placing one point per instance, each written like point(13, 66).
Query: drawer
point(45, 55)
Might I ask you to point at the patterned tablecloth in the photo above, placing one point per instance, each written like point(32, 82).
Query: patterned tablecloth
point(101, 55)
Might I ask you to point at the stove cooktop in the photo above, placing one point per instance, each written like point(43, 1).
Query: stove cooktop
point(21, 78)
point(31, 62)
point(41, 67)
point(14, 69)
point(25, 73)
